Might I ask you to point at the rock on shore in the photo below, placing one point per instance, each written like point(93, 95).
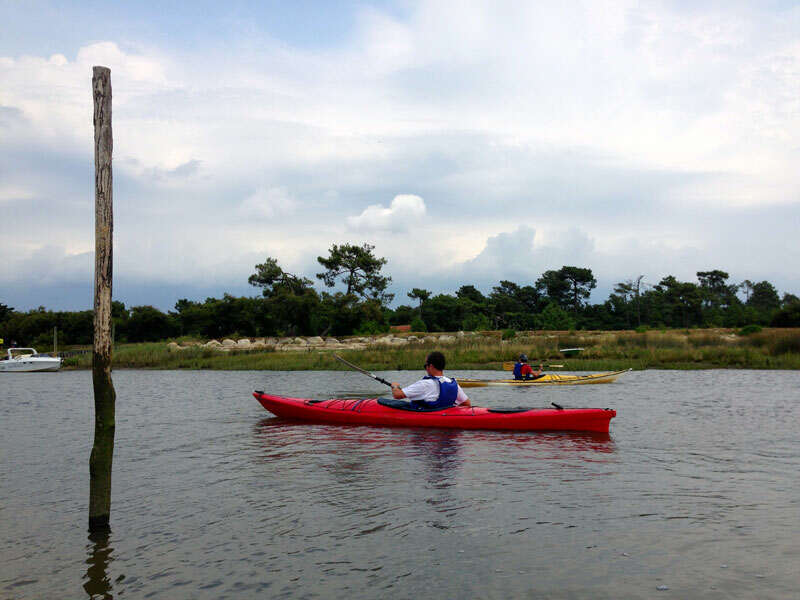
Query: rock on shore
point(317, 343)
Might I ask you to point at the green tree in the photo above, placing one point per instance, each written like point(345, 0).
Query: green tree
point(476, 322)
point(529, 298)
point(787, 300)
point(716, 292)
point(620, 301)
point(475, 308)
point(504, 303)
point(788, 316)
point(581, 283)
point(195, 318)
point(764, 297)
point(289, 300)
point(402, 315)
point(553, 285)
point(470, 292)
point(555, 318)
point(148, 324)
point(444, 313)
point(292, 313)
point(271, 278)
point(569, 287)
point(5, 312)
point(682, 301)
point(747, 287)
point(342, 314)
point(419, 294)
point(359, 269)
point(418, 324)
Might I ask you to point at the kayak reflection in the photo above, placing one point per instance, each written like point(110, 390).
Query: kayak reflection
point(398, 480)
point(278, 436)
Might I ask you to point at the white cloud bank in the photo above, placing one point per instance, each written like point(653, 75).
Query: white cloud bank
point(267, 203)
point(405, 211)
point(656, 133)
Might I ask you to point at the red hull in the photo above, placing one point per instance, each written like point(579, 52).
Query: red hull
point(370, 412)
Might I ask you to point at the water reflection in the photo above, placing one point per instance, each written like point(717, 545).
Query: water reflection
point(440, 453)
point(221, 501)
point(441, 448)
point(97, 584)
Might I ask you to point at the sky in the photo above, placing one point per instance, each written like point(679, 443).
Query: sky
point(469, 142)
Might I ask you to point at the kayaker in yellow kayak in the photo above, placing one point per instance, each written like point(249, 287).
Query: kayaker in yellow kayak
point(434, 391)
point(522, 370)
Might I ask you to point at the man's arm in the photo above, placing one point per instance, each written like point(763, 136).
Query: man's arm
point(397, 391)
point(462, 399)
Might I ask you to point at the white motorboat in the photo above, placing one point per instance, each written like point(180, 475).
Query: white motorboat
point(22, 360)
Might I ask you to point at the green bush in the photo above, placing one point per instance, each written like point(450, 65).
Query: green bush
point(642, 329)
point(371, 328)
point(418, 324)
point(476, 322)
point(749, 329)
point(555, 318)
point(509, 334)
point(788, 316)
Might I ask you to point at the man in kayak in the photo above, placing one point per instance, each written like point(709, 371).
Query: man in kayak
point(522, 370)
point(434, 390)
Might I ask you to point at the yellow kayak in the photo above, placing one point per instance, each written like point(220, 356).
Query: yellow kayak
point(546, 379)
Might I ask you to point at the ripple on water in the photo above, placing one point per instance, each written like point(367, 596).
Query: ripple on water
point(213, 498)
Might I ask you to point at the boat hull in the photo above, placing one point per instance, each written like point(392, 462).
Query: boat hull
point(370, 411)
point(548, 379)
point(31, 365)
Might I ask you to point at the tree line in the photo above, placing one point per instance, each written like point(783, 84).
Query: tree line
point(290, 305)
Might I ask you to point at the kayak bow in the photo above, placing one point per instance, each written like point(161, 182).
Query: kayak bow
point(397, 413)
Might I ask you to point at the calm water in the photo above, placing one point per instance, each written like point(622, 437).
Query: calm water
point(696, 490)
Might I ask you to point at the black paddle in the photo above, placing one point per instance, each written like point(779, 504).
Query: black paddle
point(360, 370)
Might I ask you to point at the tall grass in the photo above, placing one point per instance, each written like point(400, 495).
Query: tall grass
point(603, 351)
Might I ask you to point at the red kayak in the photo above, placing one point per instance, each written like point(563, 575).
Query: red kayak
point(399, 413)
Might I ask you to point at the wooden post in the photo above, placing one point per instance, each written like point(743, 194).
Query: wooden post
point(104, 395)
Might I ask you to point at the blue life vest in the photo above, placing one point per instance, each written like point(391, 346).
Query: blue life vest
point(448, 392)
point(518, 370)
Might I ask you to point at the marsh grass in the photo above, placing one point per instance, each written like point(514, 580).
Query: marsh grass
point(603, 351)
point(775, 343)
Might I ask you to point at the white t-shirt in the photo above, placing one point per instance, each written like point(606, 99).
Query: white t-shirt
point(428, 391)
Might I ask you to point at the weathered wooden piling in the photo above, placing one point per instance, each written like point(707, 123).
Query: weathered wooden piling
point(101, 459)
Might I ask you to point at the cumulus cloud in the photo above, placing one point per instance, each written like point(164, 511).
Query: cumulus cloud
point(267, 203)
point(404, 211)
point(554, 134)
point(52, 264)
point(183, 171)
point(518, 255)
point(9, 193)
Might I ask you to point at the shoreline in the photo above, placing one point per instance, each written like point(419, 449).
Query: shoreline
point(601, 351)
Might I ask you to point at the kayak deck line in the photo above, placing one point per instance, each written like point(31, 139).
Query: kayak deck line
point(389, 413)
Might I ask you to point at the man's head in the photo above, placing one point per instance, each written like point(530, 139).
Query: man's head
point(435, 360)
point(523, 358)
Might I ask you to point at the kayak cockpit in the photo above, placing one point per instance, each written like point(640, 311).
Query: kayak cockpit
point(404, 405)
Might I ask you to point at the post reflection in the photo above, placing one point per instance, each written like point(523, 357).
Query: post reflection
point(97, 583)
